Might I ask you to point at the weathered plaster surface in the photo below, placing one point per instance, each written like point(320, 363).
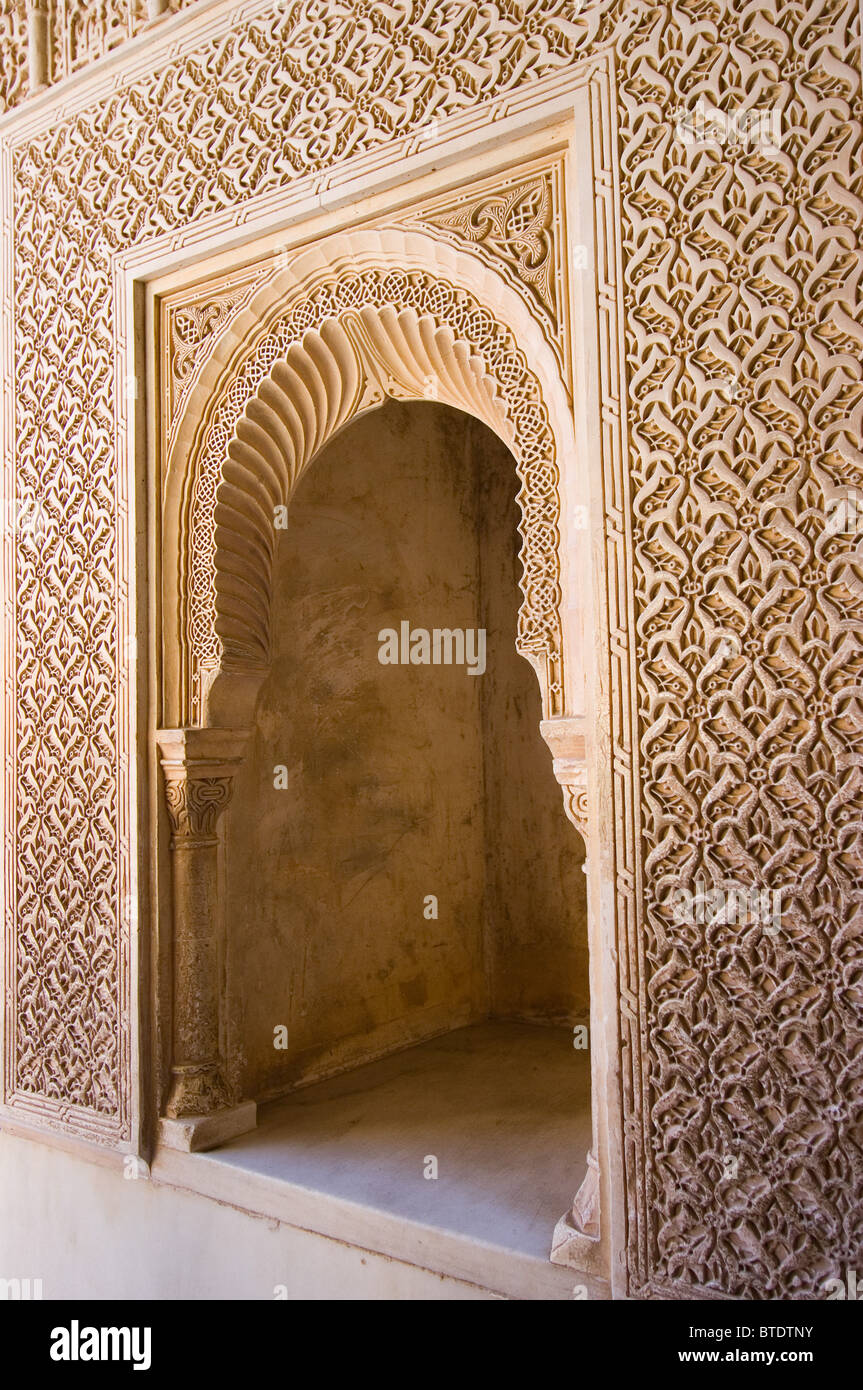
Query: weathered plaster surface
point(403, 781)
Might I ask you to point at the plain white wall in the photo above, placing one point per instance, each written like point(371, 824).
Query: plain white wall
point(88, 1232)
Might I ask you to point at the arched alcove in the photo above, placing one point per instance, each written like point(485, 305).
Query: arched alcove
point(368, 788)
point(371, 315)
point(400, 880)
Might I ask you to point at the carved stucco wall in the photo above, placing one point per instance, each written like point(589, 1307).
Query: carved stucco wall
point(75, 34)
point(737, 260)
point(81, 31)
point(13, 52)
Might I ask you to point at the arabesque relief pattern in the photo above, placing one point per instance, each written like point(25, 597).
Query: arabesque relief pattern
point(516, 225)
point(76, 33)
point(191, 326)
point(744, 337)
point(80, 31)
point(14, 83)
point(83, 30)
point(740, 1045)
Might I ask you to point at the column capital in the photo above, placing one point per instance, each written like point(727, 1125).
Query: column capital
point(566, 737)
point(199, 767)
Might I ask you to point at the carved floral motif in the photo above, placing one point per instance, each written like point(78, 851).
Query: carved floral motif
point(191, 325)
point(13, 53)
point(517, 223)
point(81, 31)
point(743, 345)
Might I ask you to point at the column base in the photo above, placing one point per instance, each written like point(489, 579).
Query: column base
point(197, 1133)
point(577, 1231)
point(571, 1247)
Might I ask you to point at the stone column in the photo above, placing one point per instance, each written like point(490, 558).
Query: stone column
point(566, 739)
point(199, 767)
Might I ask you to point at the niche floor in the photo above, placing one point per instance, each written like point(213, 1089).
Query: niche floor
point(504, 1108)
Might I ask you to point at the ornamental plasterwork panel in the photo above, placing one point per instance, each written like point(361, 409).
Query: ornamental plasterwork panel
point(514, 222)
point(517, 224)
point(81, 31)
point(13, 53)
point(190, 327)
point(730, 447)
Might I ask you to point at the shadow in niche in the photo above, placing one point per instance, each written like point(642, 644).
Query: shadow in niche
point(400, 868)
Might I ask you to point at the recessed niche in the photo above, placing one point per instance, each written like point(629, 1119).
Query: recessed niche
point(400, 865)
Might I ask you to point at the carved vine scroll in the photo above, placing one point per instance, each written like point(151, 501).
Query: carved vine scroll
point(518, 224)
point(191, 324)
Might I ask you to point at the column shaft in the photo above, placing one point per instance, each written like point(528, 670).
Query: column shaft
point(199, 767)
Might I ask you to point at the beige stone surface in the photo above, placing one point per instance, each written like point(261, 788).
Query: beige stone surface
point(501, 1109)
point(337, 1170)
point(90, 1233)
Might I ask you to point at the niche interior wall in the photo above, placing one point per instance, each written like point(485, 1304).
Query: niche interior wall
point(366, 787)
point(732, 602)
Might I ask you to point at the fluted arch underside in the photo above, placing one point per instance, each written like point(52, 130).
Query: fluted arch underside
point(335, 374)
point(347, 332)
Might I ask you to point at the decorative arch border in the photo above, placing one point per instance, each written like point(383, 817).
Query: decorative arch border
point(372, 314)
